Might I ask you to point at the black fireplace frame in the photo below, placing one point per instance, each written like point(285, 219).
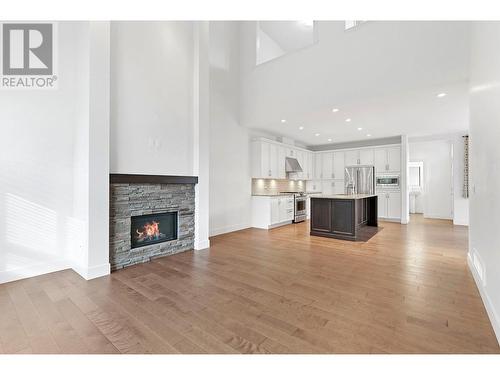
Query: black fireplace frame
point(154, 242)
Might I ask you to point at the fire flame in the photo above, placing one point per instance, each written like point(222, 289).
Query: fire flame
point(150, 231)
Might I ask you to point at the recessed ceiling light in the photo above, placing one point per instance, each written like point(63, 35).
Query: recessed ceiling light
point(329, 139)
point(360, 128)
point(368, 135)
point(441, 95)
point(317, 134)
point(301, 128)
point(347, 120)
point(283, 121)
point(335, 110)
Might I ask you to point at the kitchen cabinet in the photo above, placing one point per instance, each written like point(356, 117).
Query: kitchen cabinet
point(389, 205)
point(366, 156)
point(394, 205)
point(343, 217)
point(388, 159)
point(310, 165)
point(281, 162)
point(394, 159)
point(272, 211)
point(351, 157)
point(362, 156)
point(338, 164)
point(318, 166)
point(327, 165)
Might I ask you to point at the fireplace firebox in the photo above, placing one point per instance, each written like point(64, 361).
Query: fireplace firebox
point(153, 228)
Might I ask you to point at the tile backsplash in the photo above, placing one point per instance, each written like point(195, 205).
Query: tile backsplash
point(264, 186)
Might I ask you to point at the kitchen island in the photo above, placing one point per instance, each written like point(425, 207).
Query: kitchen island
point(344, 216)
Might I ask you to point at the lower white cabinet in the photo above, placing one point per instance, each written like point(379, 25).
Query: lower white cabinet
point(271, 211)
point(389, 205)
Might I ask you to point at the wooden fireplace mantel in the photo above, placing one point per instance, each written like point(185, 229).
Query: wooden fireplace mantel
point(118, 178)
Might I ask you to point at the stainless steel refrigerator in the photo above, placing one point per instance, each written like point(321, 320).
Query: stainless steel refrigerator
point(359, 180)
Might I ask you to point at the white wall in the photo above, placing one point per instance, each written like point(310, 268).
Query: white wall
point(38, 223)
point(436, 193)
point(152, 98)
point(230, 177)
point(349, 69)
point(484, 234)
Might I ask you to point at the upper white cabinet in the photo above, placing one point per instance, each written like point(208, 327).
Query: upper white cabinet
point(327, 165)
point(388, 159)
point(363, 156)
point(351, 157)
point(331, 165)
point(268, 160)
point(338, 164)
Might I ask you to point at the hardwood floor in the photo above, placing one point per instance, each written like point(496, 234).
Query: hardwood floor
point(406, 290)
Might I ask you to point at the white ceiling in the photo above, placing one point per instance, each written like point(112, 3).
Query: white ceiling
point(289, 35)
point(383, 75)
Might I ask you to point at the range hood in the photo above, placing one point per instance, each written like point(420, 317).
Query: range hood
point(292, 165)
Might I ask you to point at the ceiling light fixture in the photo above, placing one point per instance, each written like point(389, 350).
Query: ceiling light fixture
point(441, 95)
point(317, 134)
point(335, 110)
point(368, 135)
point(301, 128)
point(283, 121)
point(360, 128)
point(347, 120)
point(329, 139)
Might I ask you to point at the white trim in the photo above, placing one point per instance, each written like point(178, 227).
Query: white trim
point(93, 272)
point(32, 271)
point(438, 217)
point(490, 309)
point(202, 245)
point(228, 229)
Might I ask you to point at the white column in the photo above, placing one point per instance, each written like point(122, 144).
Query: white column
point(94, 261)
point(405, 197)
point(201, 123)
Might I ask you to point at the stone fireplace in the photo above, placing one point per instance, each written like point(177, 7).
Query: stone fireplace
point(150, 216)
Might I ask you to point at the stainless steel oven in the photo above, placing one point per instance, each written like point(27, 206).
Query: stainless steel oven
point(300, 209)
point(391, 181)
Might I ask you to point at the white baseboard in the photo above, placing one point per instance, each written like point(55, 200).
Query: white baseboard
point(437, 217)
point(89, 273)
point(201, 245)
point(32, 271)
point(490, 309)
point(228, 229)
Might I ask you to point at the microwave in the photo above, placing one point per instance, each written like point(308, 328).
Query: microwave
point(387, 181)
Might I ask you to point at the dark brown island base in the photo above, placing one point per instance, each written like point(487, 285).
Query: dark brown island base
point(346, 217)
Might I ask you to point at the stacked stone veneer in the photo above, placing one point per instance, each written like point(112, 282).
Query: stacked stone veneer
point(127, 200)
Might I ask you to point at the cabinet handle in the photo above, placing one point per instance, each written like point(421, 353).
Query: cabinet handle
point(333, 175)
point(321, 175)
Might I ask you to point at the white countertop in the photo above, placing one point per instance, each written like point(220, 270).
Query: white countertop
point(344, 196)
